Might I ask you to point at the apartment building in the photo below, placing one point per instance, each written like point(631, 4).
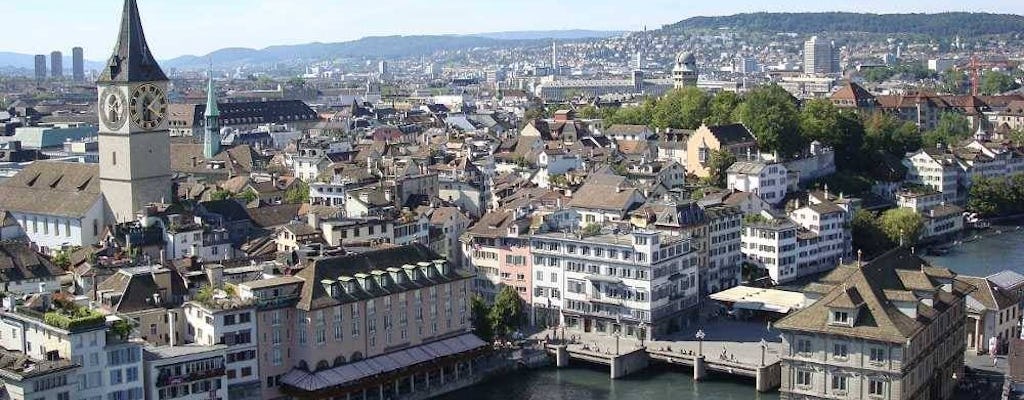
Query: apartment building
point(24, 378)
point(231, 322)
point(274, 300)
point(812, 239)
point(640, 284)
point(109, 366)
point(893, 328)
point(401, 312)
point(768, 181)
point(991, 313)
point(714, 233)
point(936, 169)
point(188, 372)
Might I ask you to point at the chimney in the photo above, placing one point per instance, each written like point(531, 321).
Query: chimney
point(163, 256)
point(172, 328)
point(313, 220)
point(194, 162)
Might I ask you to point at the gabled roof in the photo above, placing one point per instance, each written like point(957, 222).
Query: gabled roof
point(877, 285)
point(853, 92)
point(64, 189)
point(18, 262)
point(132, 60)
point(731, 134)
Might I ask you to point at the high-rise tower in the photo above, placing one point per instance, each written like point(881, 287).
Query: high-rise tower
point(56, 65)
point(211, 129)
point(77, 64)
point(134, 141)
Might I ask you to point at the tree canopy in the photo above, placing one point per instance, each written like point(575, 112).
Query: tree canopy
point(771, 114)
point(993, 83)
point(902, 225)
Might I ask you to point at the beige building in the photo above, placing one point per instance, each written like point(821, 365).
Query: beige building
point(735, 138)
point(341, 316)
point(893, 328)
point(24, 378)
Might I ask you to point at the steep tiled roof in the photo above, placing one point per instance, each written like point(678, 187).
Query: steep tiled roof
point(132, 60)
point(605, 192)
point(19, 262)
point(52, 188)
point(731, 134)
point(893, 274)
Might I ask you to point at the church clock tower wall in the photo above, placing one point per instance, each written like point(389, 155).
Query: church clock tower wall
point(134, 140)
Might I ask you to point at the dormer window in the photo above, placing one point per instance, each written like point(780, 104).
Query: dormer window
point(841, 317)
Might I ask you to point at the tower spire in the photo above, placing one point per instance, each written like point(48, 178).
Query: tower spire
point(211, 131)
point(132, 60)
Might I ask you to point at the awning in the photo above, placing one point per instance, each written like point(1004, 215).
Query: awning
point(353, 372)
point(602, 278)
point(759, 299)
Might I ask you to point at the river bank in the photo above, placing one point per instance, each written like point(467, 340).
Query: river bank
point(583, 382)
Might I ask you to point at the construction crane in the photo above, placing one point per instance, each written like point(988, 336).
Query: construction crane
point(975, 67)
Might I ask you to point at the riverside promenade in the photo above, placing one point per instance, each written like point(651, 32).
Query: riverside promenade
point(729, 348)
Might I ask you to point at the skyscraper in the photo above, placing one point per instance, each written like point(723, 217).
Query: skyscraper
point(40, 67)
point(56, 65)
point(554, 58)
point(77, 64)
point(820, 57)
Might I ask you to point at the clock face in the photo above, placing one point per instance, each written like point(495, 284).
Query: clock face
point(148, 106)
point(113, 109)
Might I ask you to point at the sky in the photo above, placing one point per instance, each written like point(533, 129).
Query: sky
point(179, 27)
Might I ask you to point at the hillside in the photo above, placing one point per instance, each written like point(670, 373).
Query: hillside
point(939, 25)
point(378, 46)
point(568, 34)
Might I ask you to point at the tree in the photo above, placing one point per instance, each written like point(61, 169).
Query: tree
point(718, 163)
point(248, 195)
point(849, 142)
point(220, 194)
point(883, 132)
point(721, 108)
point(590, 112)
point(902, 225)
point(954, 82)
point(819, 120)
point(949, 130)
point(507, 312)
point(638, 115)
point(868, 236)
point(298, 193)
point(993, 82)
point(681, 108)
point(480, 314)
point(770, 113)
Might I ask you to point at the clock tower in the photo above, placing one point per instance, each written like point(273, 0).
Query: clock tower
point(134, 140)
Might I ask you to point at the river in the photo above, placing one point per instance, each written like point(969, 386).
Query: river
point(1000, 248)
point(592, 383)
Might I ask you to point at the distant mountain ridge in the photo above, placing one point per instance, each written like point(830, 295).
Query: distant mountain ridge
point(375, 46)
point(941, 24)
point(569, 34)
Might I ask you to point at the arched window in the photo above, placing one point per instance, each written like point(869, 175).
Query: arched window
point(303, 366)
point(357, 356)
point(322, 365)
point(339, 360)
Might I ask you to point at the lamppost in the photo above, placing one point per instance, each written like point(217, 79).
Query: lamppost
point(764, 348)
point(700, 342)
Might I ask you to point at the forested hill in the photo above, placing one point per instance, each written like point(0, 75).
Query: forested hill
point(944, 24)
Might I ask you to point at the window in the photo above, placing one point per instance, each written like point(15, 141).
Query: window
point(113, 157)
point(115, 377)
point(839, 350)
point(876, 387)
point(877, 355)
point(131, 374)
point(841, 317)
point(838, 382)
point(803, 378)
point(803, 346)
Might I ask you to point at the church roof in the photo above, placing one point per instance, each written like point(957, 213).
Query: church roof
point(52, 188)
point(131, 61)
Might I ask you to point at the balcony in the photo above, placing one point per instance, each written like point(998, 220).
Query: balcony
point(169, 380)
